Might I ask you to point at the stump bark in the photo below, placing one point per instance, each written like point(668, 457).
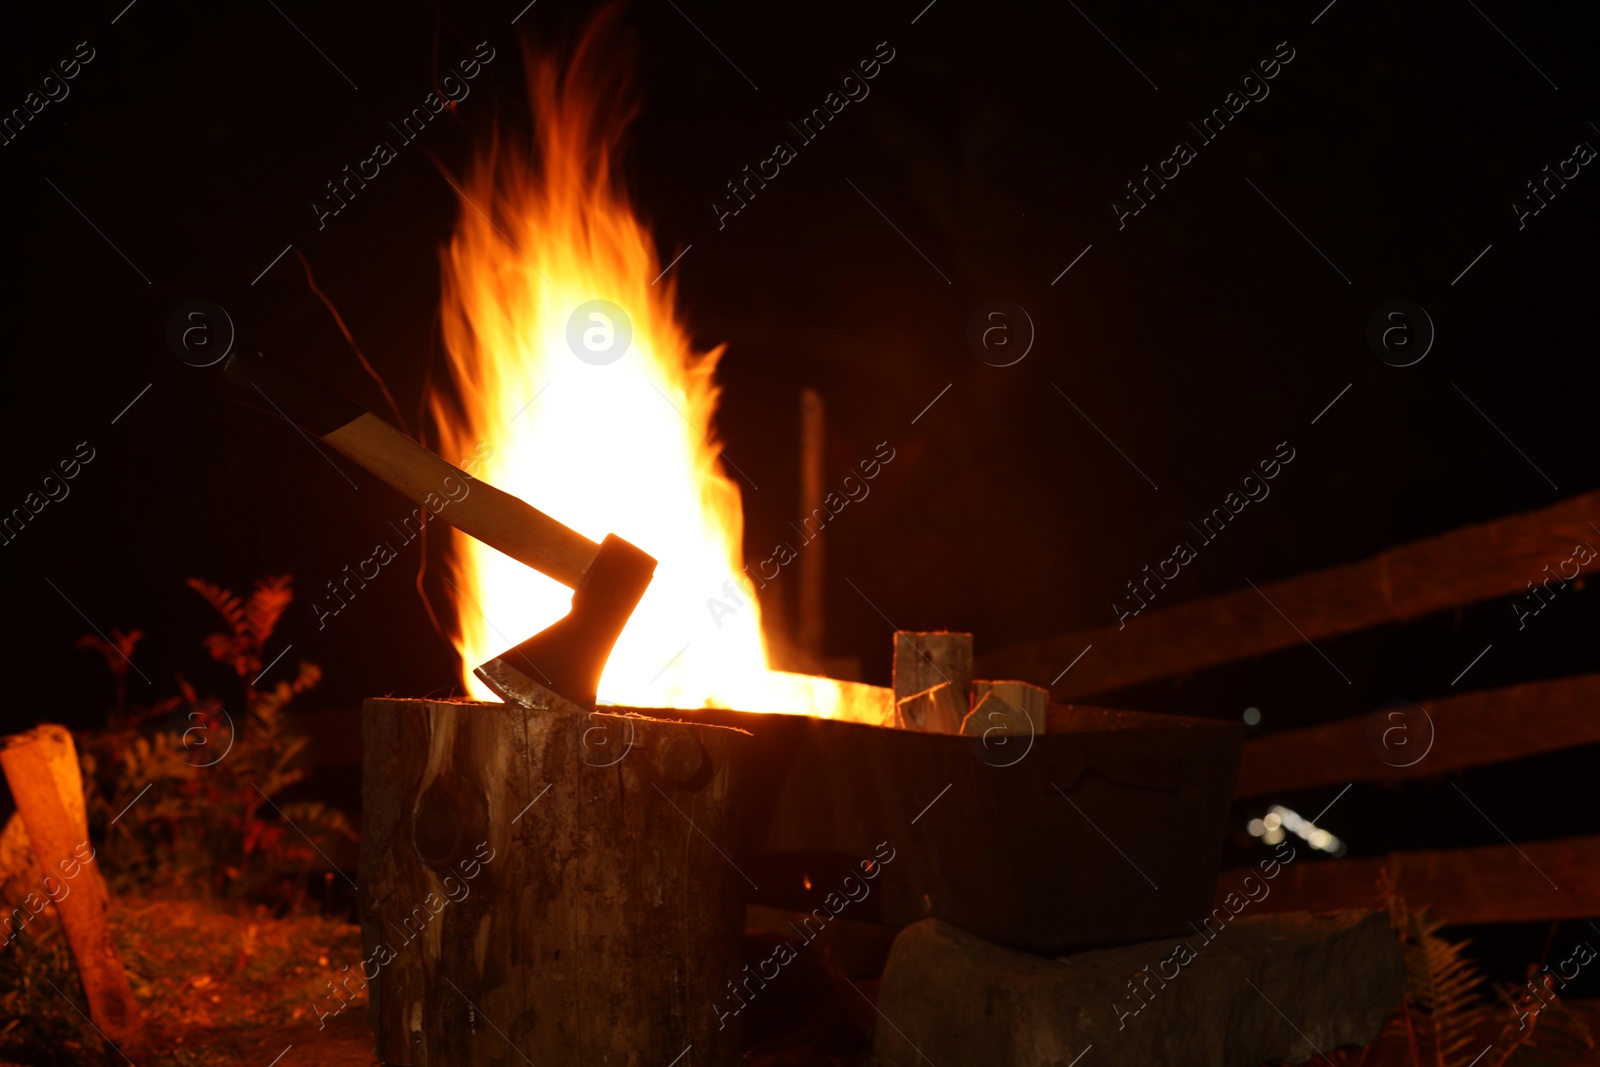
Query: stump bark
point(550, 887)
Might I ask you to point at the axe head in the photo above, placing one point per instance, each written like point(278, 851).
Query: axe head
point(566, 658)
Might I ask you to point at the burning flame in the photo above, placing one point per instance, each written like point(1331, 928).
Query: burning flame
point(624, 446)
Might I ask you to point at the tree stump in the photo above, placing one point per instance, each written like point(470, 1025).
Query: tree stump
point(549, 887)
point(41, 767)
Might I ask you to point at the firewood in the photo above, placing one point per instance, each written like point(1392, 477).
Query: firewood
point(933, 711)
point(993, 716)
point(923, 660)
point(41, 767)
point(1016, 709)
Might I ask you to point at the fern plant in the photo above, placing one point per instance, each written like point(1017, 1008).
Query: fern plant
point(1443, 1008)
point(1553, 1034)
point(1447, 1017)
point(184, 790)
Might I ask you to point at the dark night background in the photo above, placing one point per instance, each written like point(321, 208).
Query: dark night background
point(1196, 338)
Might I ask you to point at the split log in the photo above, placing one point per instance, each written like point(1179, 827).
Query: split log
point(1466, 565)
point(923, 660)
point(1470, 730)
point(932, 711)
point(550, 887)
point(1015, 708)
point(993, 717)
point(41, 767)
point(1535, 881)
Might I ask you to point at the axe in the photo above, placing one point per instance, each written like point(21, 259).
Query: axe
point(607, 580)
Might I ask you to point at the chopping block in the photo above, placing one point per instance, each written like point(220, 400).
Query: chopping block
point(548, 887)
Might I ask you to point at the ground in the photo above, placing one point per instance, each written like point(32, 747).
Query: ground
point(230, 985)
point(218, 985)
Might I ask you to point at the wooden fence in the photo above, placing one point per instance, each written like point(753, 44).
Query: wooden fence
point(1543, 880)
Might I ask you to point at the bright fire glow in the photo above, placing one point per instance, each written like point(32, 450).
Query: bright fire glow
point(625, 447)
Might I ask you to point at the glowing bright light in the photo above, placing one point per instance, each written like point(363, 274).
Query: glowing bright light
point(624, 445)
point(1279, 819)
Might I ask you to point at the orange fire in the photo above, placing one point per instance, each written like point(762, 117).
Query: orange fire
point(602, 438)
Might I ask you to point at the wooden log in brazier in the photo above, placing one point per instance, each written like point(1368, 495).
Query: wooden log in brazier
point(1014, 708)
point(936, 711)
point(924, 660)
point(554, 887)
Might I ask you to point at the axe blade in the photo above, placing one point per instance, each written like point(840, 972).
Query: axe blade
point(565, 659)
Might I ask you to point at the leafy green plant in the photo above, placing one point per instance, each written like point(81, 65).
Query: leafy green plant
point(184, 790)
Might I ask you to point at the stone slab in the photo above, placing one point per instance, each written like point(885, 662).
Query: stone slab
point(1252, 990)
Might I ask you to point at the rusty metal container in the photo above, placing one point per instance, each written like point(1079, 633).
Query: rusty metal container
point(1108, 828)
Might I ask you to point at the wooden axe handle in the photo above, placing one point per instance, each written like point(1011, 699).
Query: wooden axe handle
point(496, 518)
